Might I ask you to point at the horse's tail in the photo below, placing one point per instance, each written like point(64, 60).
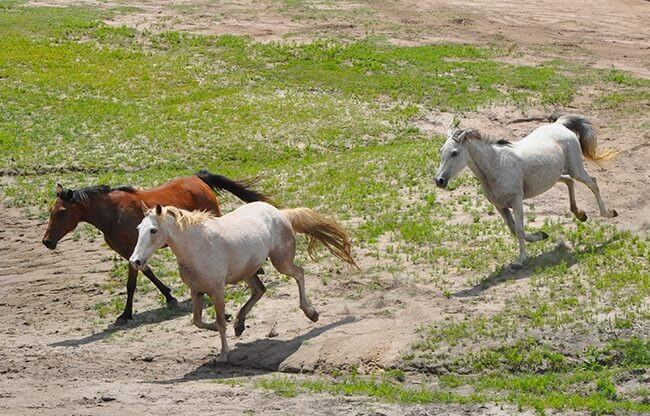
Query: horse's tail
point(241, 189)
point(320, 229)
point(587, 135)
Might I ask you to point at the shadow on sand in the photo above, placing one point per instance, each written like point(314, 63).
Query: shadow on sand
point(256, 357)
point(152, 316)
point(559, 254)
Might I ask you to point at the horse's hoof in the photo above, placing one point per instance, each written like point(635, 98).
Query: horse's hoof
point(581, 216)
point(543, 235)
point(614, 213)
point(121, 320)
point(220, 360)
point(516, 266)
point(239, 329)
point(313, 316)
point(172, 303)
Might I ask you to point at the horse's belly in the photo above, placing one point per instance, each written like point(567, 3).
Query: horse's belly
point(542, 171)
point(541, 181)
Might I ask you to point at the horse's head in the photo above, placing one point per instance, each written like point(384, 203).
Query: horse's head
point(65, 214)
point(152, 235)
point(453, 155)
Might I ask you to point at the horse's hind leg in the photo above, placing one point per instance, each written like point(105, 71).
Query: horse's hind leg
point(164, 289)
point(285, 265)
point(578, 172)
point(570, 184)
point(510, 222)
point(258, 290)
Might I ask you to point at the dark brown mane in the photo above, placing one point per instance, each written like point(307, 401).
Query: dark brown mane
point(82, 195)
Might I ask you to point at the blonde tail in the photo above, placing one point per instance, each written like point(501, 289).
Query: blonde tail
point(321, 229)
point(587, 136)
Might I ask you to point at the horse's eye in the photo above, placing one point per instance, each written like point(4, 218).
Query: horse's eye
point(454, 153)
point(154, 231)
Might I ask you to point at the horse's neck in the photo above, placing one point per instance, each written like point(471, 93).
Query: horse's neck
point(483, 159)
point(182, 241)
point(99, 211)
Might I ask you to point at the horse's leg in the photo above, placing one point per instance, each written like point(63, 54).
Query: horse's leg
point(219, 308)
point(570, 184)
point(131, 282)
point(518, 209)
point(578, 172)
point(510, 222)
point(286, 266)
point(164, 289)
point(507, 217)
point(197, 308)
point(257, 291)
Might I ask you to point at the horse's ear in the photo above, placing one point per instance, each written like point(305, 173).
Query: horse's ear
point(158, 209)
point(472, 134)
point(145, 208)
point(58, 189)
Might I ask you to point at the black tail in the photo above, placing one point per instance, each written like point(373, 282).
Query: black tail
point(241, 189)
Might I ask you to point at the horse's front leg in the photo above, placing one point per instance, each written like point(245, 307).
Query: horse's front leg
point(163, 288)
point(220, 307)
point(197, 309)
point(131, 283)
point(518, 209)
point(510, 222)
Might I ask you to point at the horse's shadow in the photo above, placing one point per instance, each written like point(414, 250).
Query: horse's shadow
point(257, 357)
point(149, 317)
point(559, 254)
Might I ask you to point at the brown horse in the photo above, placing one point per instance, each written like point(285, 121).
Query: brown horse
point(116, 212)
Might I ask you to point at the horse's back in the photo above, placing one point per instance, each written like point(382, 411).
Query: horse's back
point(189, 193)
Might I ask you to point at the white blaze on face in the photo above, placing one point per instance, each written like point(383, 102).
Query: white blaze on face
point(453, 158)
point(150, 239)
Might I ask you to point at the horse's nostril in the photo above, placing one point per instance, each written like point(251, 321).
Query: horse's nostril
point(137, 262)
point(48, 243)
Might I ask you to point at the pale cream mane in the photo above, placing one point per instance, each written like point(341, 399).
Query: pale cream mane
point(185, 218)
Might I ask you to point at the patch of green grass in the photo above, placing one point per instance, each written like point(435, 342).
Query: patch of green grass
point(590, 391)
point(382, 389)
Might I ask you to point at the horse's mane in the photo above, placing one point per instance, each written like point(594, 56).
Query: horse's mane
point(84, 194)
point(185, 218)
point(476, 135)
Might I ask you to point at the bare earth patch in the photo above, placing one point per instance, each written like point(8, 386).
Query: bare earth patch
point(56, 356)
point(602, 33)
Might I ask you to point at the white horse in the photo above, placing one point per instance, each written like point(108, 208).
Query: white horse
point(512, 172)
point(214, 251)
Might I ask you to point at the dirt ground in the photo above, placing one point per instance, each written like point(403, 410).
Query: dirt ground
point(55, 358)
point(602, 33)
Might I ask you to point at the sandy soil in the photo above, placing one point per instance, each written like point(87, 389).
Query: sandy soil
point(55, 358)
point(603, 33)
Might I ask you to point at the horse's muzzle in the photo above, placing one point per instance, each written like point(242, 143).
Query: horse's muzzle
point(441, 182)
point(49, 243)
